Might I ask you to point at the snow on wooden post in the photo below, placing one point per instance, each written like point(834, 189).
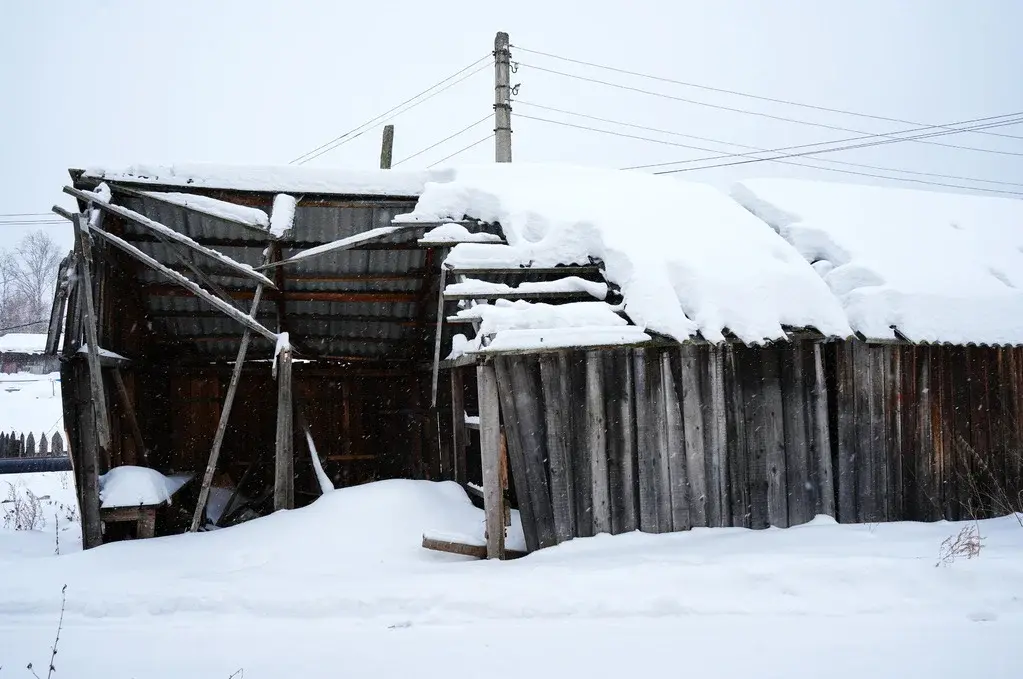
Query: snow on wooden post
point(225, 414)
point(284, 467)
point(490, 451)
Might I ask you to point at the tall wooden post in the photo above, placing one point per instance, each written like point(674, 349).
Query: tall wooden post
point(458, 426)
point(490, 451)
point(97, 447)
point(502, 98)
point(387, 147)
point(284, 467)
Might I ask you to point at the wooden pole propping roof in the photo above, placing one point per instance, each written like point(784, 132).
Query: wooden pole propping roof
point(165, 233)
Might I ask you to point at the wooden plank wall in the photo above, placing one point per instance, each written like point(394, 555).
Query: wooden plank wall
point(666, 439)
point(926, 432)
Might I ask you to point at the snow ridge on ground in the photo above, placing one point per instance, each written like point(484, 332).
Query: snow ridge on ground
point(687, 258)
point(939, 267)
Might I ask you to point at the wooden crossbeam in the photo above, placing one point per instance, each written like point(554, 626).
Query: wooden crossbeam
point(162, 232)
point(188, 285)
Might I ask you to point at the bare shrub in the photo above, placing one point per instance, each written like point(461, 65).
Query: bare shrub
point(966, 544)
point(22, 509)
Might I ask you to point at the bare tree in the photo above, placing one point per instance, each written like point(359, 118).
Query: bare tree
point(27, 278)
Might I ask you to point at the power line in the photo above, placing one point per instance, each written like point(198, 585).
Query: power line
point(732, 143)
point(758, 113)
point(347, 136)
point(448, 138)
point(23, 325)
point(26, 214)
point(743, 94)
point(41, 223)
point(463, 150)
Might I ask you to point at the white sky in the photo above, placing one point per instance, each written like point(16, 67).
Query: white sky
point(116, 83)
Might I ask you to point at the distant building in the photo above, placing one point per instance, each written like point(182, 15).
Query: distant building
point(25, 352)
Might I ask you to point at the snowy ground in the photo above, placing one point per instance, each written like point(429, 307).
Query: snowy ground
point(31, 403)
point(342, 588)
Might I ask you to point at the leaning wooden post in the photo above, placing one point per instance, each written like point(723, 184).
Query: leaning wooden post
point(225, 414)
point(284, 467)
point(490, 451)
point(92, 530)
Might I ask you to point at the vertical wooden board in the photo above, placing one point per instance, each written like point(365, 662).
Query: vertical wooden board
point(491, 383)
point(774, 438)
point(596, 427)
point(1008, 442)
point(554, 378)
point(819, 431)
point(755, 413)
point(877, 359)
point(646, 490)
point(693, 360)
point(581, 464)
point(661, 443)
point(936, 423)
point(528, 397)
point(284, 456)
point(678, 472)
point(926, 499)
point(908, 403)
point(845, 392)
point(866, 495)
point(893, 409)
point(458, 431)
point(712, 395)
point(622, 443)
point(802, 496)
point(735, 441)
point(987, 469)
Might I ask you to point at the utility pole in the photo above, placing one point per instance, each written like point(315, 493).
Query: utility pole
point(386, 147)
point(502, 98)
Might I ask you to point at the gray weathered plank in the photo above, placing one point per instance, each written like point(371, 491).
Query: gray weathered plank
point(865, 478)
point(284, 450)
point(712, 396)
point(675, 437)
point(801, 496)
point(820, 432)
point(596, 427)
point(755, 410)
point(490, 444)
point(645, 423)
point(693, 429)
point(554, 377)
point(622, 443)
point(845, 394)
point(774, 438)
point(582, 483)
point(458, 436)
point(736, 452)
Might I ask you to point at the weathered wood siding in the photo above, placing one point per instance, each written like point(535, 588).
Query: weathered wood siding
point(926, 432)
point(666, 439)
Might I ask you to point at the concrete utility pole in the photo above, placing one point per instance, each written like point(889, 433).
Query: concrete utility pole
point(386, 147)
point(502, 98)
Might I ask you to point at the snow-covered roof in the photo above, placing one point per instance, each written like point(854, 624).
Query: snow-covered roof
point(23, 343)
point(688, 259)
point(938, 267)
point(282, 179)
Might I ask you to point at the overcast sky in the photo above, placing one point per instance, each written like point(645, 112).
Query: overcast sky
point(116, 83)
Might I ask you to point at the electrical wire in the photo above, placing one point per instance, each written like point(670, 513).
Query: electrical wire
point(758, 113)
point(25, 214)
point(462, 150)
point(24, 325)
point(741, 94)
point(348, 136)
point(448, 138)
point(746, 146)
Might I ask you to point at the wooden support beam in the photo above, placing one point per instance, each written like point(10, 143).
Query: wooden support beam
point(60, 296)
point(162, 232)
point(188, 285)
point(225, 414)
point(360, 239)
point(460, 440)
point(490, 451)
point(129, 413)
point(92, 454)
point(284, 457)
point(438, 335)
point(201, 276)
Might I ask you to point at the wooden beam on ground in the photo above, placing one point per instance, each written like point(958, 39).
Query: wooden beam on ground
point(92, 526)
point(225, 414)
point(129, 413)
point(163, 232)
point(490, 451)
point(188, 285)
point(477, 551)
point(284, 456)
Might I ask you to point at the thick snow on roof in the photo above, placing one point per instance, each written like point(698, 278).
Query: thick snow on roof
point(23, 343)
point(939, 267)
point(281, 179)
point(688, 259)
point(218, 208)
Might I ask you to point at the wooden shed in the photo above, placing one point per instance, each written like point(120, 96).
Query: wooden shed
point(234, 315)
